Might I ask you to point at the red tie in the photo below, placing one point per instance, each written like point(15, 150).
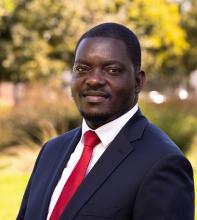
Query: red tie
point(77, 175)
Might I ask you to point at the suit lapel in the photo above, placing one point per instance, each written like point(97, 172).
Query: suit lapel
point(115, 154)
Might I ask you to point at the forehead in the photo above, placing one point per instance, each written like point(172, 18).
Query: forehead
point(102, 48)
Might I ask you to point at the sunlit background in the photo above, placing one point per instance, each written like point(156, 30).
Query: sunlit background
point(37, 42)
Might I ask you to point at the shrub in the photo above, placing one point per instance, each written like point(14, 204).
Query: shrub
point(177, 118)
point(37, 119)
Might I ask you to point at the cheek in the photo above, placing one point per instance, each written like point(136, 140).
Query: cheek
point(126, 89)
point(124, 95)
point(75, 87)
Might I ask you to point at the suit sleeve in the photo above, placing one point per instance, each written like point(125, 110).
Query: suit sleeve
point(167, 192)
point(22, 210)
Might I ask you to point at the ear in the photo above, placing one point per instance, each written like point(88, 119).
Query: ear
point(140, 78)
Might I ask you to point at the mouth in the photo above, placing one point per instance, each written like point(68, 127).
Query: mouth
point(95, 96)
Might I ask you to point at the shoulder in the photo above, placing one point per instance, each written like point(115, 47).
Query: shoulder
point(66, 137)
point(60, 143)
point(150, 138)
point(151, 144)
point(165, 173)
point(157, 139)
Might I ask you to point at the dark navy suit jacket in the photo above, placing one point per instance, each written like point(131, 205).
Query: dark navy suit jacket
point(142, 175)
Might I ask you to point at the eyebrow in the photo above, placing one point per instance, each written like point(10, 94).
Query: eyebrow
point(106, 63)
point(81, 61)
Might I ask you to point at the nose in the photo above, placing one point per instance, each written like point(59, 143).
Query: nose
point(96, 78)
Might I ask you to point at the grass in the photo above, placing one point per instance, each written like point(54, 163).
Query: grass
point(15, 168)
point(11, 192)
point(195, 181)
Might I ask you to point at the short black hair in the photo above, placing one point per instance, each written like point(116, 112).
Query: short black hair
point(120, 32)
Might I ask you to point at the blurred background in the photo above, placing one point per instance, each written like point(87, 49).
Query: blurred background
point(37, 42)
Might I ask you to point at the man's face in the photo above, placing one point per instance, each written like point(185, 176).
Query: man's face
point(103, 80)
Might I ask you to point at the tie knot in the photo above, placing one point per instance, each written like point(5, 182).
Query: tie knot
point(91, 139)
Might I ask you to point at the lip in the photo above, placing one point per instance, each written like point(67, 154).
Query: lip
point(95, 93)
point(95, 96)
point(94, 99)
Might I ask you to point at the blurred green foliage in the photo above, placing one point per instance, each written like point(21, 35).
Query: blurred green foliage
point(37, 38)
point(37, 118)
point(189, 23)
point(178, 118)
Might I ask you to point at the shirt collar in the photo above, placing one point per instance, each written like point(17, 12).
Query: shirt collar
point(112, 128)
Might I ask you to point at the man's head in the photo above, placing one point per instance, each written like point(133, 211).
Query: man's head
point(106, 76)
point(119, 32)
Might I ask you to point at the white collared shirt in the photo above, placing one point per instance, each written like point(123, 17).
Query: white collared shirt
point(106, 133)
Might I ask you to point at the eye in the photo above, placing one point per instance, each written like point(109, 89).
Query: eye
point(81, 68)
point(113, 70)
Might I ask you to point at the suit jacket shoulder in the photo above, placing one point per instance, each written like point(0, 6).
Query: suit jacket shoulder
point(47, 171)
point(61, 143)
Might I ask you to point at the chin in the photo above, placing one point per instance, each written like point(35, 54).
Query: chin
point(96, 118)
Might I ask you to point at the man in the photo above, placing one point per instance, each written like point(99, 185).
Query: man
point(134, 171)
